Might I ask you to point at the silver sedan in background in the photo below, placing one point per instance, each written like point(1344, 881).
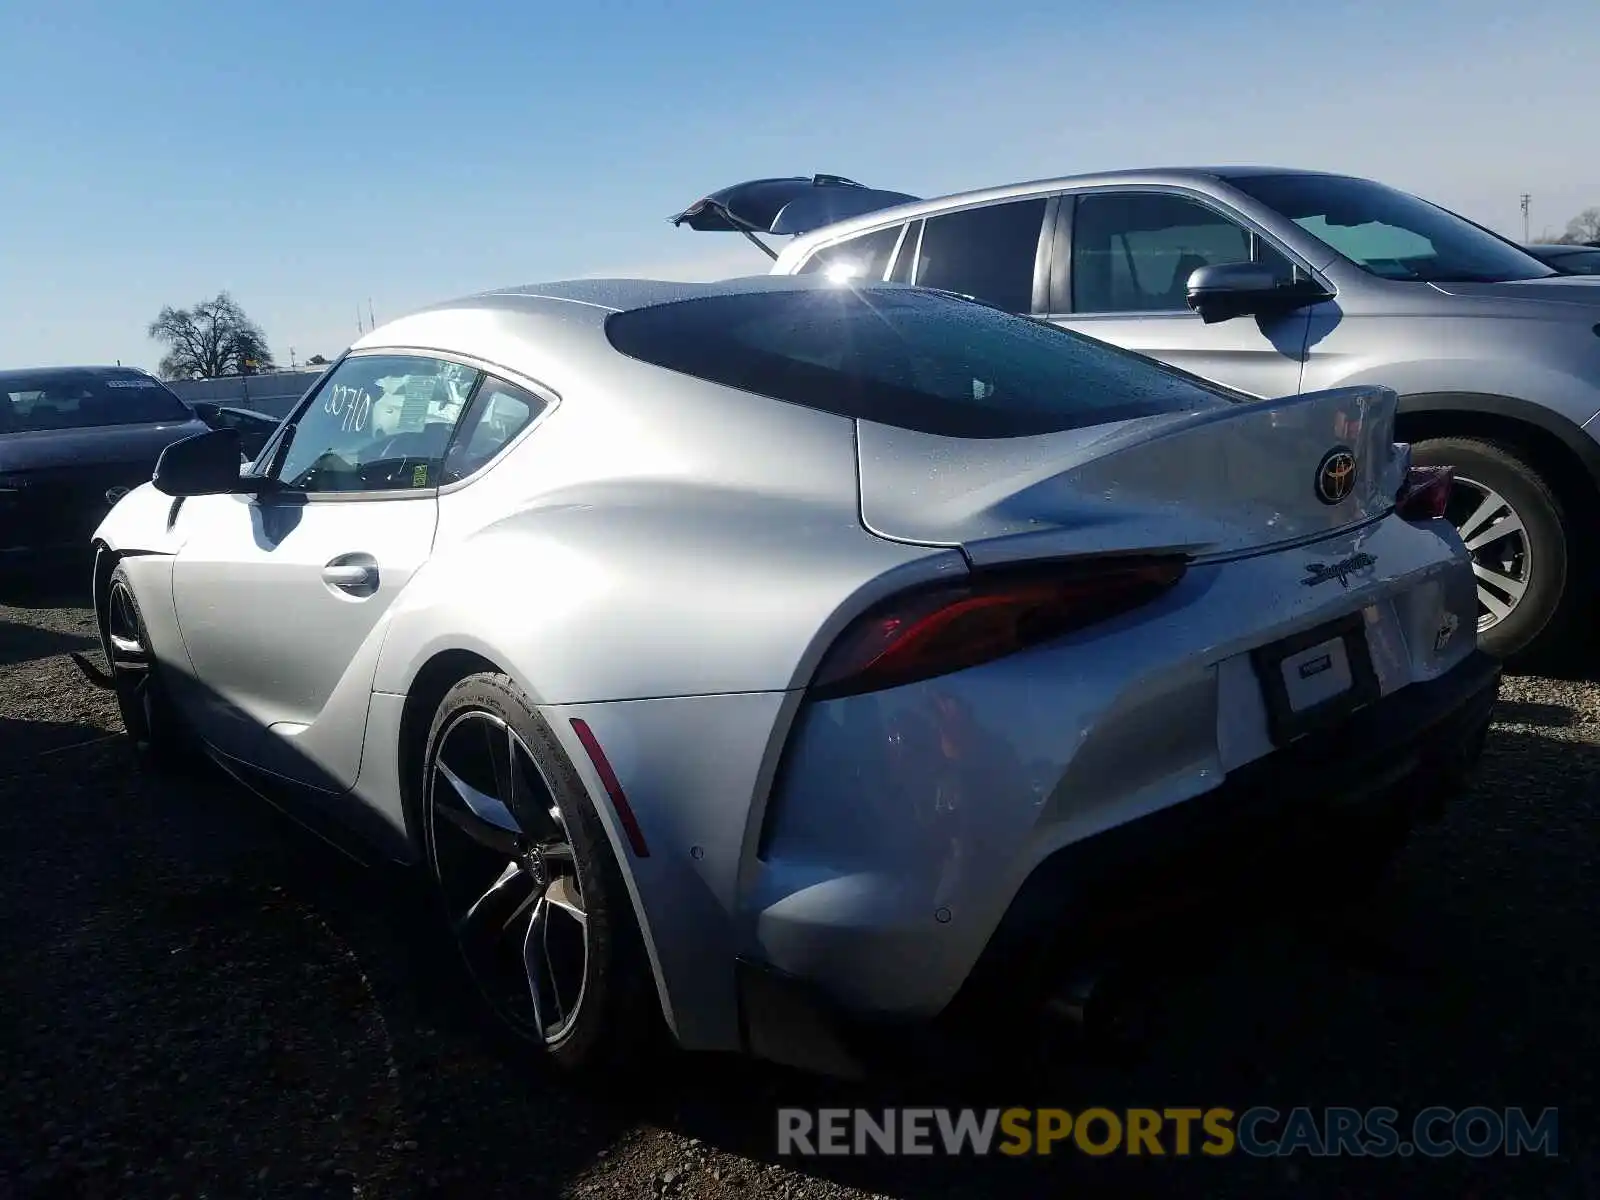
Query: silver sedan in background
point(789, 661)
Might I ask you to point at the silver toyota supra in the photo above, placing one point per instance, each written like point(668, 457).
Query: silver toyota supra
point(793, 662)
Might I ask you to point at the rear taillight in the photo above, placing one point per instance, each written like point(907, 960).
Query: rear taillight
point(1425, 493)
point(935, 631)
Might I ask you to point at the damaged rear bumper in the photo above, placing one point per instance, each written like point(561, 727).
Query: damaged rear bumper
point(1388, 767)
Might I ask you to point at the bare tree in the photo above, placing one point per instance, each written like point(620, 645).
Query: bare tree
point(212, 339)
point(1583, 229)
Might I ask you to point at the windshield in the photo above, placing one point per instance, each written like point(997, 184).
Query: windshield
point(917, 359)
point(40, 400)
point(1390, 233)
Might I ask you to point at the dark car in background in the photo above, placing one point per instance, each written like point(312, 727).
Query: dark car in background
point(1568, 259)
point(73, 441)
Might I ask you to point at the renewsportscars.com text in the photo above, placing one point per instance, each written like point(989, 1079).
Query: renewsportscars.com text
point(1260, 1132)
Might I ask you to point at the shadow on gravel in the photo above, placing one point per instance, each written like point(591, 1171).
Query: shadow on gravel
point(24, 741)
point(1576, 658)
point(53, 584)
point(28, 643)
point(203, 998)
point(1524, 712)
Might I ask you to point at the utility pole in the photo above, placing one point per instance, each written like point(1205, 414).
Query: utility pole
point(293, 365)
point(359, 328)
point(1525, 236)
point(372, 322)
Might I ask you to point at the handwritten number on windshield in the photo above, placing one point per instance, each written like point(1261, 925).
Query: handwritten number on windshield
point(351, 405)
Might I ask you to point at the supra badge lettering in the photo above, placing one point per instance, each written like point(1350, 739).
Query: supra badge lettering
point(1342, 570)
point(1336, 475)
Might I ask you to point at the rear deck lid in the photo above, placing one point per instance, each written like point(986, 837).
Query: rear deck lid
point(785, 206)
point(1216, 482)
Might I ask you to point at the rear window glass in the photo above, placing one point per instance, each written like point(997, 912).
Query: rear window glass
point(916, 359)
point(37, 401)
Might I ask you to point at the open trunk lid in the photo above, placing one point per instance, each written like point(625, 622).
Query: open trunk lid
point(785, 206)
point(1211, 483)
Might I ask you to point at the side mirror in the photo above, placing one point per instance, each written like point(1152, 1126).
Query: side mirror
point(1226, 290)
point(207, 411)
point(204, 465)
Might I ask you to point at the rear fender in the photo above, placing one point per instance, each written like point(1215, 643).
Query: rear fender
point(694, 612)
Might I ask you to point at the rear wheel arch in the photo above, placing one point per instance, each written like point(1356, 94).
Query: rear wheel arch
point(1522, 450)
point(427, 691)
point(428, 688)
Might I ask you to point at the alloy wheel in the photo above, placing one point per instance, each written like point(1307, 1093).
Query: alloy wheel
point(1502, 555)
point(512, 888)
point(122, 626)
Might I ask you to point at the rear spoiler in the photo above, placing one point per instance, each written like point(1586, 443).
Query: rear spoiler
point(790, 206)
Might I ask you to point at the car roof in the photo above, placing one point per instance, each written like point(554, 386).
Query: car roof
point(45, 374)
point(1177, 176)
point(584, 303)
point(607, 296)
point(622, 295)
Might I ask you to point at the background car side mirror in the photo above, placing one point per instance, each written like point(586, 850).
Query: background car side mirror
point(204, 465)
point(1223, 291)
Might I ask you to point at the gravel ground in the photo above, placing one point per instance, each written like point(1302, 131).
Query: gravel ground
point(196, 998)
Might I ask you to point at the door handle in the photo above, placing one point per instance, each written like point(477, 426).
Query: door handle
point(358, 578)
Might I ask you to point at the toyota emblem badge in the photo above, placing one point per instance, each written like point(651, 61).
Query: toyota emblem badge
point(1336, 475)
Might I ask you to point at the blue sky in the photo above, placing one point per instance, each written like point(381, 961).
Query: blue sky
point(309, 156)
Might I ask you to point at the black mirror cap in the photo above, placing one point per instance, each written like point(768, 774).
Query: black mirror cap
point(1222, 291)
point(204, 465)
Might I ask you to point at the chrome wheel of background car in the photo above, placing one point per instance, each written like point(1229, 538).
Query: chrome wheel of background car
point(503, 859)
point(1502, 555)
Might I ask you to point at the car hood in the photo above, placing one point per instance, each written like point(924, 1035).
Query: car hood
point(108, 444)
point(1553, 289)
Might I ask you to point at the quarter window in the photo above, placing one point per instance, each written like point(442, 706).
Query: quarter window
point(865, 256)
point(498, 414)
point(1134, 252)
point(377, 423)
point(987, 253)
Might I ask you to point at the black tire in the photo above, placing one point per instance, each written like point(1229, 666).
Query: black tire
point(616, 1015)
point(154, 726)
point(1538, 620)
